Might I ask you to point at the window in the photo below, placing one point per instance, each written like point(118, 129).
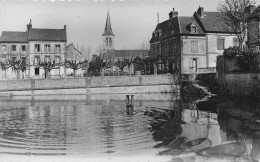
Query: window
point(47, 58)
point(106, 41)
point(220, 44)
point(23, 48)
point(36, 60)
point(47, 48)
point(57, 48)
point(24, 59)
point(13, 59)
point(235, 42)
point(193, 29)
point(194, 47)
point(37, 71)
point(57, 59)
point(37, 48)
point(110, 42)
point(3, 47)
point(13, 47)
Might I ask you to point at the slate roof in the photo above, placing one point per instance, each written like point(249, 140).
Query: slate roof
point(120, 54)
point(255, 13)
point(177, 26)
point(47, 35)
point(211, 22)
point(185, 22)
point(13, 37)
point(108, 28)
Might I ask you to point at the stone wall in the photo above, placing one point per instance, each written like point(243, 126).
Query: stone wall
point(88, 85)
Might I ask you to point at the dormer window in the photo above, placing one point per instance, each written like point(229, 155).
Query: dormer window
point(193, 28)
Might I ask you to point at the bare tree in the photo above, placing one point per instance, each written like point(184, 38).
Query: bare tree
point(121, 64)
point(5, 65)
point(86, 52)
point(233, 15)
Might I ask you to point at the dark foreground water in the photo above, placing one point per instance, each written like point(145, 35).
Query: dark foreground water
point(100, 128)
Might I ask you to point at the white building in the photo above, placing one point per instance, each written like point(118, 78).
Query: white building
point(33, 46)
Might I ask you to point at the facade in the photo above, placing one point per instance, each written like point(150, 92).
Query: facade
point(190, 44)
point(35, 46)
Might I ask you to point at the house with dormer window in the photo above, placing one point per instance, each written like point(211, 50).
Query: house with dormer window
point(189, 44)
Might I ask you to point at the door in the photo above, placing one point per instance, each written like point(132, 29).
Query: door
point(194, 65)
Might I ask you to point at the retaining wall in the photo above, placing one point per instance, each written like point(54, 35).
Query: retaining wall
point(88, 85)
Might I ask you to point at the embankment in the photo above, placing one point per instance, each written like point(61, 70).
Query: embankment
point(89, 85)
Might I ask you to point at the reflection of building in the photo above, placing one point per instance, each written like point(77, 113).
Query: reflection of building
point(34, 46)
point(190, 44)
point(115, 55)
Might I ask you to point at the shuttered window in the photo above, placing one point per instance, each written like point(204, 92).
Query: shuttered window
point(220, 44)
point(194, 47)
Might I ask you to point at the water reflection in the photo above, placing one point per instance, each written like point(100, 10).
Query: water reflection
point(159, 127)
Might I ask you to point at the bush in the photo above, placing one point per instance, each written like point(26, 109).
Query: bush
point(245, 57)
point(231, 52)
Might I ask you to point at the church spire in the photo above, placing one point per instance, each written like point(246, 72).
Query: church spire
point(108, 28)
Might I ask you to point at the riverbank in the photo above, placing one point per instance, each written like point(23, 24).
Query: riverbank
point(90, 85)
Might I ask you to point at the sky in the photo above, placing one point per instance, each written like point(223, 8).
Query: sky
point(133, 21)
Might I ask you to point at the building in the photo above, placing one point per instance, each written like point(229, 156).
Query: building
point(190, 44)
point(253, 26)
point(110, 53)
point(34, 46)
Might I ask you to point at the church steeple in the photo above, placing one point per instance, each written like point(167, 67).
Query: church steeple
point(108, 28)
point(108, 35)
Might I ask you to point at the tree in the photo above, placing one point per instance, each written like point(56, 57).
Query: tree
point(233, 15)
point(121, 64)
point(19, 65)
point(48, 66)
point(74, 65)
point(5, 65)
point(129, 62)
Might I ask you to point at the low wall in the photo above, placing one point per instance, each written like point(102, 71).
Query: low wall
point(88, 85)
point(242, 84)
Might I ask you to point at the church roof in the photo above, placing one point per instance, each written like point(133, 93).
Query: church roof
point(108, 28)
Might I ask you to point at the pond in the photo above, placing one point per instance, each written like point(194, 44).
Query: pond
point(160, 127)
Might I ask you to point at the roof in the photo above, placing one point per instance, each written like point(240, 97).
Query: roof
point(13, 37)
point(185, 22)
point(120, 54)
point(179, 25)
point(211, 22)
point(108, 28)
point(47, 35)
point(255, 13)
point(73, 52)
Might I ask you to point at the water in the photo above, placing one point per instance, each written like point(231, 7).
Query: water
point(162, 127)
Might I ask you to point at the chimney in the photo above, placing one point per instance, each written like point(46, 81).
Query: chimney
point(65, 27)
point(173, 14)
point(29, 26)
point(200, 12)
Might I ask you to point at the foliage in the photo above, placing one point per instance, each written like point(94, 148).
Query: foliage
point(246, 59)
point(231, 52)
